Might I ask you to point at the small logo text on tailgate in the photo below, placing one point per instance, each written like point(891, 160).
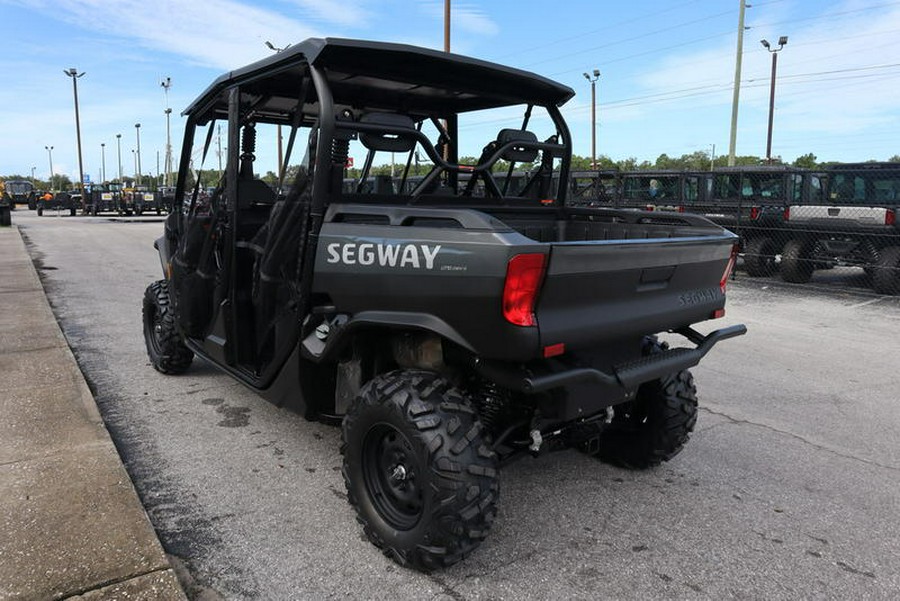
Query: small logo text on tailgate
point(696, 297)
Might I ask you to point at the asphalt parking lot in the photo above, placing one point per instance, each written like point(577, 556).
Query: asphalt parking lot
point(789, 488)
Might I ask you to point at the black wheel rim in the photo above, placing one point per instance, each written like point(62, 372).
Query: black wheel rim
point(393, 476)
point(154, 328)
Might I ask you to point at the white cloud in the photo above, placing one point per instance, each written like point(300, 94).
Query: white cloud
point(824, 84)
point(465, 17)
point(222, 34)
point(340, 12)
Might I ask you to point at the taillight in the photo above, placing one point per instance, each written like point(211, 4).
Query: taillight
point(890, 217)
point(729, 267)
point(681, 209)
point(787, 213)
point(754, 213)
point(524, 274)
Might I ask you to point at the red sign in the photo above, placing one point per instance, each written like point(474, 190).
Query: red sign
point(349, 162)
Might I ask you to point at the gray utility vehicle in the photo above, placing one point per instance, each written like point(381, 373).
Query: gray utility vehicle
point(446, 332)
point(21, 192)
point(751, 201)
point(855, 224)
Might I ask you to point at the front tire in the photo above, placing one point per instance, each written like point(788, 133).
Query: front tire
point(886, 275)
point(655, 426)
point(796, 264)
point(759, 257)
point(5, 217)
point(40, 211)
point(165, 346)
point(418, 472)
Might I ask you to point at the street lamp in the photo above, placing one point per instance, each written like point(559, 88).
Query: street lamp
point(74, 74)
point(774, 52)
point(49, 150)
point(102, 162)
point(276, 50)
point(166, 84)
point(593, 80)
point(137, 129)
point(119, 152)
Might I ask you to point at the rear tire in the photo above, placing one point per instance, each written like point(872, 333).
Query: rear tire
point(759, 257)
point(40, 211)
point(796, 264)
point(418, 472)
point(165, 346)
point(655, 426)
point(5, 217)
point(886, 275)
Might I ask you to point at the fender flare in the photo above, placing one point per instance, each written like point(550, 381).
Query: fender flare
point(339, 337)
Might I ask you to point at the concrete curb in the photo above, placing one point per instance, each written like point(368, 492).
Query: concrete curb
point(72, 524)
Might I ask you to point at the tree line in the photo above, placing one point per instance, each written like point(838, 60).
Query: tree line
point(696, 161)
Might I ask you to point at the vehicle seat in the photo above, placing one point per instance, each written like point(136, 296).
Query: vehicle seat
point(252, 192)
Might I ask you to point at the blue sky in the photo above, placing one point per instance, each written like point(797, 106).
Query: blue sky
point(667, 68)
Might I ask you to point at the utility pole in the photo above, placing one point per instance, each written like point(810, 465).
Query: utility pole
point(774, 51)
point(102, 162)
point(276, 50)
point(446, 25)
point(737, 84)
point(593, 81)
point(74, 74)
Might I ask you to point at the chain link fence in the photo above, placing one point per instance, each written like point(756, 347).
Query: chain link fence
point(834, 226)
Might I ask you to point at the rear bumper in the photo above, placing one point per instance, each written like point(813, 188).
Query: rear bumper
point(627, 375)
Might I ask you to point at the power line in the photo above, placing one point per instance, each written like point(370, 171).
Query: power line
point(631, 39)
point(604, 28)
point(827, 15)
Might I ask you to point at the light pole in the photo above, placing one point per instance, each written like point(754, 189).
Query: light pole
point(74, 74)
point(135, 161)
point(103, 162)
point(49, 150)
point(32, 175)
point(276, 50)
point(774, 52)
point(593, 80)
point(166, 84)
point(119, 152)
point(137, 171)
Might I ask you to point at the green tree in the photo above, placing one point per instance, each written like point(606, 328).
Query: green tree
point(806, 161)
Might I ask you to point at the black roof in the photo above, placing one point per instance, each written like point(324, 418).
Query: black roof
point(380, 75)
point(869, 166)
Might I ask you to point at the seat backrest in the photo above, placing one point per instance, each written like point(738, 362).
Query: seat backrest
point(254, 191)
point(517, 154)
point(388, 141)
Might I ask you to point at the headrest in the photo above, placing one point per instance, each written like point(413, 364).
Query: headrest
point(389, 141)
point(517, 153)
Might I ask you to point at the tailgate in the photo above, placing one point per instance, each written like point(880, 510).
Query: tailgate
point(606, 290)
